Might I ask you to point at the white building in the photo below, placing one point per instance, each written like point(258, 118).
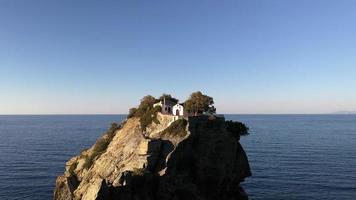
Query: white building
point(170, 107)
point(166, 105)
point(178, 110)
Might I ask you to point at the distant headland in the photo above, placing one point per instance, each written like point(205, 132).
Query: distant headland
point(344, 113)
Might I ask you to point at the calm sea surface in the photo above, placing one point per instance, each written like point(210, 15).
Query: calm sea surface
point(291, 156)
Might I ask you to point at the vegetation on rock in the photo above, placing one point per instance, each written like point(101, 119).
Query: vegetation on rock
point(132, 113)
point(149, 117)
point(177, 128)
point(168, 97)
point(237, 129)
point(146, 112)
point(72, 168)
point(198, 103)
point(101, 145)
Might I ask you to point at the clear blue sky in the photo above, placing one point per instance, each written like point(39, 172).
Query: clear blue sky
point(277, 56)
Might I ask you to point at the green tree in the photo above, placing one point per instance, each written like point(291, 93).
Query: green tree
point(145, 111)
point(132, 112)
point(145, 105)
point(198, 103)
point(237, 129)
point(147, 102)
point(168, 97)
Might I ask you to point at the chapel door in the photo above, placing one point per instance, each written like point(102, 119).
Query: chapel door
point(177, 112)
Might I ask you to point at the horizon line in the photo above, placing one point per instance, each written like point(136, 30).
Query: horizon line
point(28, 114)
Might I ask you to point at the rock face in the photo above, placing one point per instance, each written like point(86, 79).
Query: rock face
point(201, 161)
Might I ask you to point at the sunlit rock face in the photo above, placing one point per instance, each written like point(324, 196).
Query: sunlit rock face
point(201, 161)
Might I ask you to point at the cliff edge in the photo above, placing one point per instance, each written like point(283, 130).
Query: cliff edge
point(183, 159)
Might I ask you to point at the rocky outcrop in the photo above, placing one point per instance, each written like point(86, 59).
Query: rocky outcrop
point(200, 161)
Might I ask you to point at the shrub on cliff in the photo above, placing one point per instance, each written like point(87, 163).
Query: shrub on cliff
point(237, 129)
point(177, 128)
point(145, 111)
point(101, 145)
point(132, 113)
point(149, 116)
point(72, 168)
point(146, 104)
point(103, 142)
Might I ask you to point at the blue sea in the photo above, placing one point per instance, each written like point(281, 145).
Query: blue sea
point(291, 156)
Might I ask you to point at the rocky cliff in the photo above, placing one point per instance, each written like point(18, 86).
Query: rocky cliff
point(172, 159)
